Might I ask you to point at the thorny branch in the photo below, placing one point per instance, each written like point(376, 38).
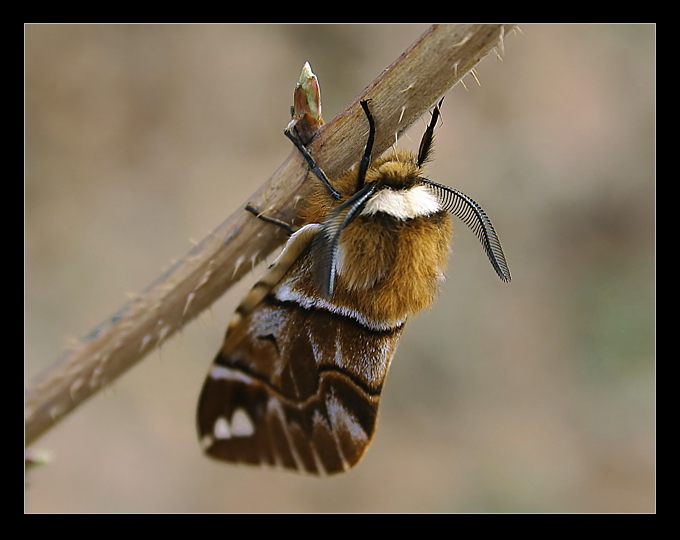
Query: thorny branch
point(414, 82)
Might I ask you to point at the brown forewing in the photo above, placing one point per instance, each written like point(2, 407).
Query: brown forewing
point(295, 387)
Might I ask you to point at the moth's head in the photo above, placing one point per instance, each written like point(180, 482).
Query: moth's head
point(399, 170)
point(400, 191)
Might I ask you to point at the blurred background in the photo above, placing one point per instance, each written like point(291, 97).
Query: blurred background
point(534, 396)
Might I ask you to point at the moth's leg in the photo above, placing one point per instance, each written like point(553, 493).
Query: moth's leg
point(312, 164)
point(290, 229)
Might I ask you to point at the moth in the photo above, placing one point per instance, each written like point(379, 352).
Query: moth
point(299, 377)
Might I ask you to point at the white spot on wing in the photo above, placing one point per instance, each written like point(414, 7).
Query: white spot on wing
point(221, 429)
point(206, 442)
point(241, 424)
point(221, 372)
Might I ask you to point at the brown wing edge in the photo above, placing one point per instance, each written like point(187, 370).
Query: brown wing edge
point(328, 434)
point(295, 406)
